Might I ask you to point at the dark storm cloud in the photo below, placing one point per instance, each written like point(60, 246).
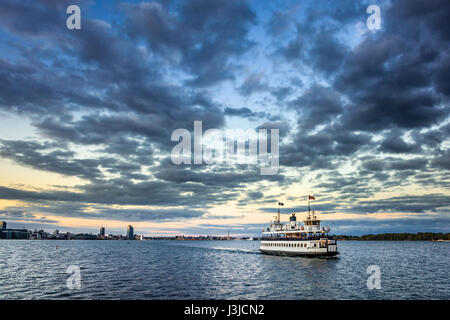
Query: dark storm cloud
point(279, 22)
point(395, 164)
point(231, 177)
point(394, 143)
point(294, 50)
point(392, 84)
point(205, 36)
point(97, 212)
point(418, 204)
point(389, 74)
point(323, 148)
point(316, 106)
point(125, 192)
point(53, 158)
point(372, 226)
point(156, 128)
point(247, 113)
point(124, 75)
point(327, 54)
point(405, 204)
point(46, 11)
point(37, 156)
point(16, 215)
point(442, 161)
point(313, 41)
point(253, 83)
point(282, 126)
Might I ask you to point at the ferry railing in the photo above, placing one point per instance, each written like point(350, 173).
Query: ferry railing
point(298, 238)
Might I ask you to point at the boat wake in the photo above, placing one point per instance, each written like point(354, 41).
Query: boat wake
point(236, 250)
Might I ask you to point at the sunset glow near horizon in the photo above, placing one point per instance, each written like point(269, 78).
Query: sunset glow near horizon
point(86, 116)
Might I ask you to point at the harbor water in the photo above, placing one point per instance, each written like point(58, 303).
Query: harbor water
point(219, 270)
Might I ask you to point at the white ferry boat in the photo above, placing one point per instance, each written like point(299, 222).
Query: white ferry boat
point(292, 238)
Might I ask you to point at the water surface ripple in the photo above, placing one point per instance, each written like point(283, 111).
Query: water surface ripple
point(220, 270)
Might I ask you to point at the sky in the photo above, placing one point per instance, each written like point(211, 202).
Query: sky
point(86, 116)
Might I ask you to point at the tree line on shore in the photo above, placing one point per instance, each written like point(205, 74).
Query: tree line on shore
point(420, 236)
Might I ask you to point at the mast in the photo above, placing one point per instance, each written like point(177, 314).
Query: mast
point(309, 209)
point(278, 219)
point(279, 204)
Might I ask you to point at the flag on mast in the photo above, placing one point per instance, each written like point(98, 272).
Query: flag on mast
point(311, 198)
point(280, 203)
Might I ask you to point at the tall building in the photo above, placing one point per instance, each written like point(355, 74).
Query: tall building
point(102, 231)
point(130, 232)
point(12, 233)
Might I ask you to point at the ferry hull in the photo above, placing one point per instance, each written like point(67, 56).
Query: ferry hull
point(299, 254)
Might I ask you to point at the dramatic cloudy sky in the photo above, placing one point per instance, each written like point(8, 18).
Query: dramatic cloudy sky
point(86, 115)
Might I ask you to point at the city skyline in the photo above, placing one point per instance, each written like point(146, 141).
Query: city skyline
point(86, 116)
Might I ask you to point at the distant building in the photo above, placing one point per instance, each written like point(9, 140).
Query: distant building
point(102, 231)
point(39, 234)
point(130, 232)
point(12, 233)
